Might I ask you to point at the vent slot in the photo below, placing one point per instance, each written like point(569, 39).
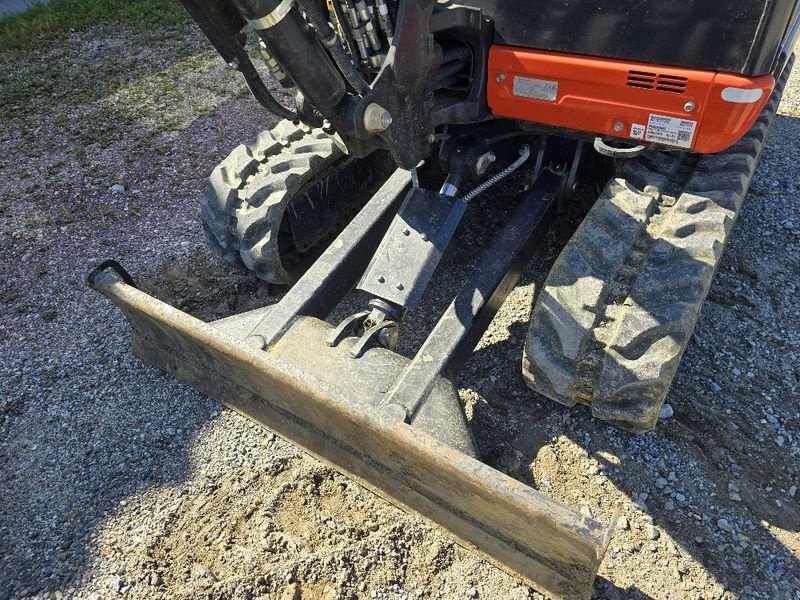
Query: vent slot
point(642, 79)
point(645, 80)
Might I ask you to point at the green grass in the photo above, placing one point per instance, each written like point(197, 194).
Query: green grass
point(48, 22)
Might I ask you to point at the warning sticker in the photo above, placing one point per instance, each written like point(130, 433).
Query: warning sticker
point(637, 131)
point(671, 131)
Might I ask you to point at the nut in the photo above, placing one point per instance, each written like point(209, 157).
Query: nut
point(376, 118)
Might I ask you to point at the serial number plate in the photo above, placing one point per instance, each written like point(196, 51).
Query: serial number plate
point(539, 89)
point(671, 131)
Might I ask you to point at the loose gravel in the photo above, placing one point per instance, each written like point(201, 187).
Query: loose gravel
point(118, 481)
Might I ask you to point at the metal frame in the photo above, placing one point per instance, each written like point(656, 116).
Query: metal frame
point(345, 410)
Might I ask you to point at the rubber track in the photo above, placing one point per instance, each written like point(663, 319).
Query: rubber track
point(248, 193)
point(619, 306)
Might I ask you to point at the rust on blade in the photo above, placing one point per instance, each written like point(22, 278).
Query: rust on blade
point(545, 543)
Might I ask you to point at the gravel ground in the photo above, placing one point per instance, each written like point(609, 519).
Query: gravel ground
point(119, 481)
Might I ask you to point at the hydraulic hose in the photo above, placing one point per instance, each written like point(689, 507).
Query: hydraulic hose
point(331, 41)
point(297, 50)
point(260, 91)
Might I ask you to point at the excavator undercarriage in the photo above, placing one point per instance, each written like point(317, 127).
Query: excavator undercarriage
point(405, 112)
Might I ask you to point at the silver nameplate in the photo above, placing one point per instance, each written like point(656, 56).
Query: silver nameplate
point(540, 89)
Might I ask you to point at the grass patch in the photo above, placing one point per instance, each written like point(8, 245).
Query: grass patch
point(46, 22)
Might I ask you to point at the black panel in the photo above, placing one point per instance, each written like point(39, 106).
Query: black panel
point(739, 36)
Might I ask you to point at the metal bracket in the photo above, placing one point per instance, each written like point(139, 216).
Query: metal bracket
point(351, 326)
point(412, 247)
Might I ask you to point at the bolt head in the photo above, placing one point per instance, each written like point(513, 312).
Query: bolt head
point(376, 118)
point(388, 337)
point(619, 126)
point(400, 286)
point(501, 77)
point(381, 279)
point(689, 106)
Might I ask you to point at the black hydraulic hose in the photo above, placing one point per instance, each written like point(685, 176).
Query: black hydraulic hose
point(331, 41)
point(260, 91)
point(345, 27)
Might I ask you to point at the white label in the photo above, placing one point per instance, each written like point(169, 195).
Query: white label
point(671, 131)
point(539, 89)
point(637, 131)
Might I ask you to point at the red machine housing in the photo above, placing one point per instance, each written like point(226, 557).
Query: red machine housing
point(691, 109)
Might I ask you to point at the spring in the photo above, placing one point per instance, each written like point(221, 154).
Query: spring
point(525, 153)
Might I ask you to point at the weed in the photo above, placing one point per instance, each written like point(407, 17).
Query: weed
point(48, 315)
point(79, 153)
point(66, 215)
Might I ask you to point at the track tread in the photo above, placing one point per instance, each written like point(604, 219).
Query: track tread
point(619, 306)
point(248, 193)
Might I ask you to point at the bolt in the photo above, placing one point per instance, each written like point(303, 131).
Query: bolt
point(376, 118)
point(381, 279)
point(406, 231)
point(400, 286)
point(388, 337)
point(619, 126)
point(424, 237)
point(501, 77)
point(234, 64)
point(689, 106)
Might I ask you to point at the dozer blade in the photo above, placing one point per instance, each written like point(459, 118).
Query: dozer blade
point(319, 397)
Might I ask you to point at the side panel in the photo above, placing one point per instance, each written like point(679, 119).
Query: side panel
point(743, 36)
point(690, 109)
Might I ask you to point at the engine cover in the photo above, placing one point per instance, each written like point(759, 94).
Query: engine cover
point(692, 109)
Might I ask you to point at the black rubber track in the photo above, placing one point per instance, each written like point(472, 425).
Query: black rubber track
point(272, 206)
point(619, 306)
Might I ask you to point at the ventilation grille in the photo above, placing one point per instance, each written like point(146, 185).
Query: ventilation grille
point(654, 81)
